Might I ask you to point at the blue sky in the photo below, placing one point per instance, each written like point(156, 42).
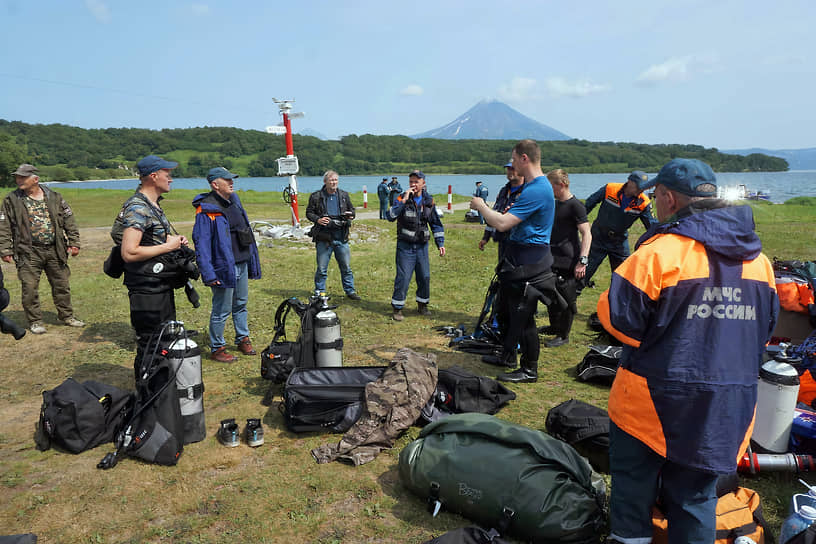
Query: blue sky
point(726, 74)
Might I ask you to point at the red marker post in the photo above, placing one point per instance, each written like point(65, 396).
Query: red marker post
point(450, 199)
point(365, 197)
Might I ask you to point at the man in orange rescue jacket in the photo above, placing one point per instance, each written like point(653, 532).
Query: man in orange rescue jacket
point(694, 306)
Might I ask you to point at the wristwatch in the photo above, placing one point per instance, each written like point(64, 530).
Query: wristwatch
point(583, 259)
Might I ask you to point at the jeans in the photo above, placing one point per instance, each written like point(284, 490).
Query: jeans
point(640, 476)
point(411, 258)
point(230, 300)
point(383, 206)
point(342, 255)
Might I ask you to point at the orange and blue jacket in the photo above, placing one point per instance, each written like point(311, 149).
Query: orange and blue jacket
point(611, 216)
point(694, 306)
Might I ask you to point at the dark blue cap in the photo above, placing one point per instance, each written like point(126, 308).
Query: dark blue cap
point(509, 165)
point(685, 176)
point(417, 173)
point(152, 163)
point(220, 172)
point(640, 178)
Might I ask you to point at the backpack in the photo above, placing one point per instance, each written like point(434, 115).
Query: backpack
point(79, 416)
point(155, 431)
point(600, 364)
point(281, 357)
point(739, 513)
point(585, 428)
point(795, 285)
point(487, 469)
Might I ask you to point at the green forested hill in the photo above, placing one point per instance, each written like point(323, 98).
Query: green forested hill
point(67, 153)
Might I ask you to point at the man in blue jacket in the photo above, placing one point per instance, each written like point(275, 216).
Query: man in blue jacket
point(694, 306)
point(414, 211)
point(331, 211)
point(227, 258)
point(382, 196)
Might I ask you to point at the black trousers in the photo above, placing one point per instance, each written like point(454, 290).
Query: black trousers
point(561, 319)
point(147, 312)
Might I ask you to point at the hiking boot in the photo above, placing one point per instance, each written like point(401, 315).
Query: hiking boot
point(396, 316)
point(556, 342)
point(73, 322)
point(245, 346)
point(353, 296)
point(520, 375)
point(253, 433)
point(37, 328)
point(422, 308)
point(228, 433)
point(222, 356)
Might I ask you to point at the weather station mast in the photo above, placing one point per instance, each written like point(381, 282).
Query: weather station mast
point(288, 165)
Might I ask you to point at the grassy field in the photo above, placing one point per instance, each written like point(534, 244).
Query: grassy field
point(275, 493)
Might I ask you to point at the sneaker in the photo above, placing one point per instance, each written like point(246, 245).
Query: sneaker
point(73, 322)
point(222, 356)
point(37, 328)
point(228, 433)
point(396, 316)
point(253, 433)
point(353, 296)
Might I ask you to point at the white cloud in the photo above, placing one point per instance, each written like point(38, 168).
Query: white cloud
point(677, 69)
point(99, 10)
point(522, 89)
point(558, 86)
point(412, 90)
point(200, 9)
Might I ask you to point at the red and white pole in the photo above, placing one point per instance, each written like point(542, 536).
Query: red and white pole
point(290, 152)
point(365, 197)
point(450, 199)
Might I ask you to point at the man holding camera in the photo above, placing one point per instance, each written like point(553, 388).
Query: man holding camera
point(414, 212)
point(38, 232)
point(331, 211)
point(227, 258)
point(145, 235)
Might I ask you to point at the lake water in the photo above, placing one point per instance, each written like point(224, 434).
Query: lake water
point(780, 186)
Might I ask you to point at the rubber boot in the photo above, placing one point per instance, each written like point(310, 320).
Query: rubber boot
point(526, 373)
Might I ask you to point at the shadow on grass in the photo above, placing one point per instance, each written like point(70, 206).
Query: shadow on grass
point(117, 332)
point(110, 373)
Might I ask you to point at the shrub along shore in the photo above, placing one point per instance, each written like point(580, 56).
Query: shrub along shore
point(276, 493)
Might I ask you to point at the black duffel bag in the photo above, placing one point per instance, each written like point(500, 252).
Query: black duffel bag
point(79, 416)
point(584, 427)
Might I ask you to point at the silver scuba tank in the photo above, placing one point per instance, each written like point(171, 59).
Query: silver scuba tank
point(185, 356)
point(327, 339)
point(776, 400)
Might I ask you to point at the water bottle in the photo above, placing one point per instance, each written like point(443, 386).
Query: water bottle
point(803, 499)
point(797, 522)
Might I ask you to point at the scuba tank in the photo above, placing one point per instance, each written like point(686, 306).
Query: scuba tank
point(185, 357)
point(328, 343)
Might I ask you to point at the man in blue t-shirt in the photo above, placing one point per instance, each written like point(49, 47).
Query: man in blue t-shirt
point(524, 272)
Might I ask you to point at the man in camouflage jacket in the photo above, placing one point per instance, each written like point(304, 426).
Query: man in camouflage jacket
point(38, 232)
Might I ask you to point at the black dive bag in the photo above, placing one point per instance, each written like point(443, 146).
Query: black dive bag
point(584, 427)
point(329, 399)
point(459, 391)
point(155, 432)
point(79, 416)
point(600, 364)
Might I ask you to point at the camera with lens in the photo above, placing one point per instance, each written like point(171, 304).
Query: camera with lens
point(8, 326)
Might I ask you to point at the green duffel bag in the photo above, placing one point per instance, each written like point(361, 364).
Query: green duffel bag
point(501, 474)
